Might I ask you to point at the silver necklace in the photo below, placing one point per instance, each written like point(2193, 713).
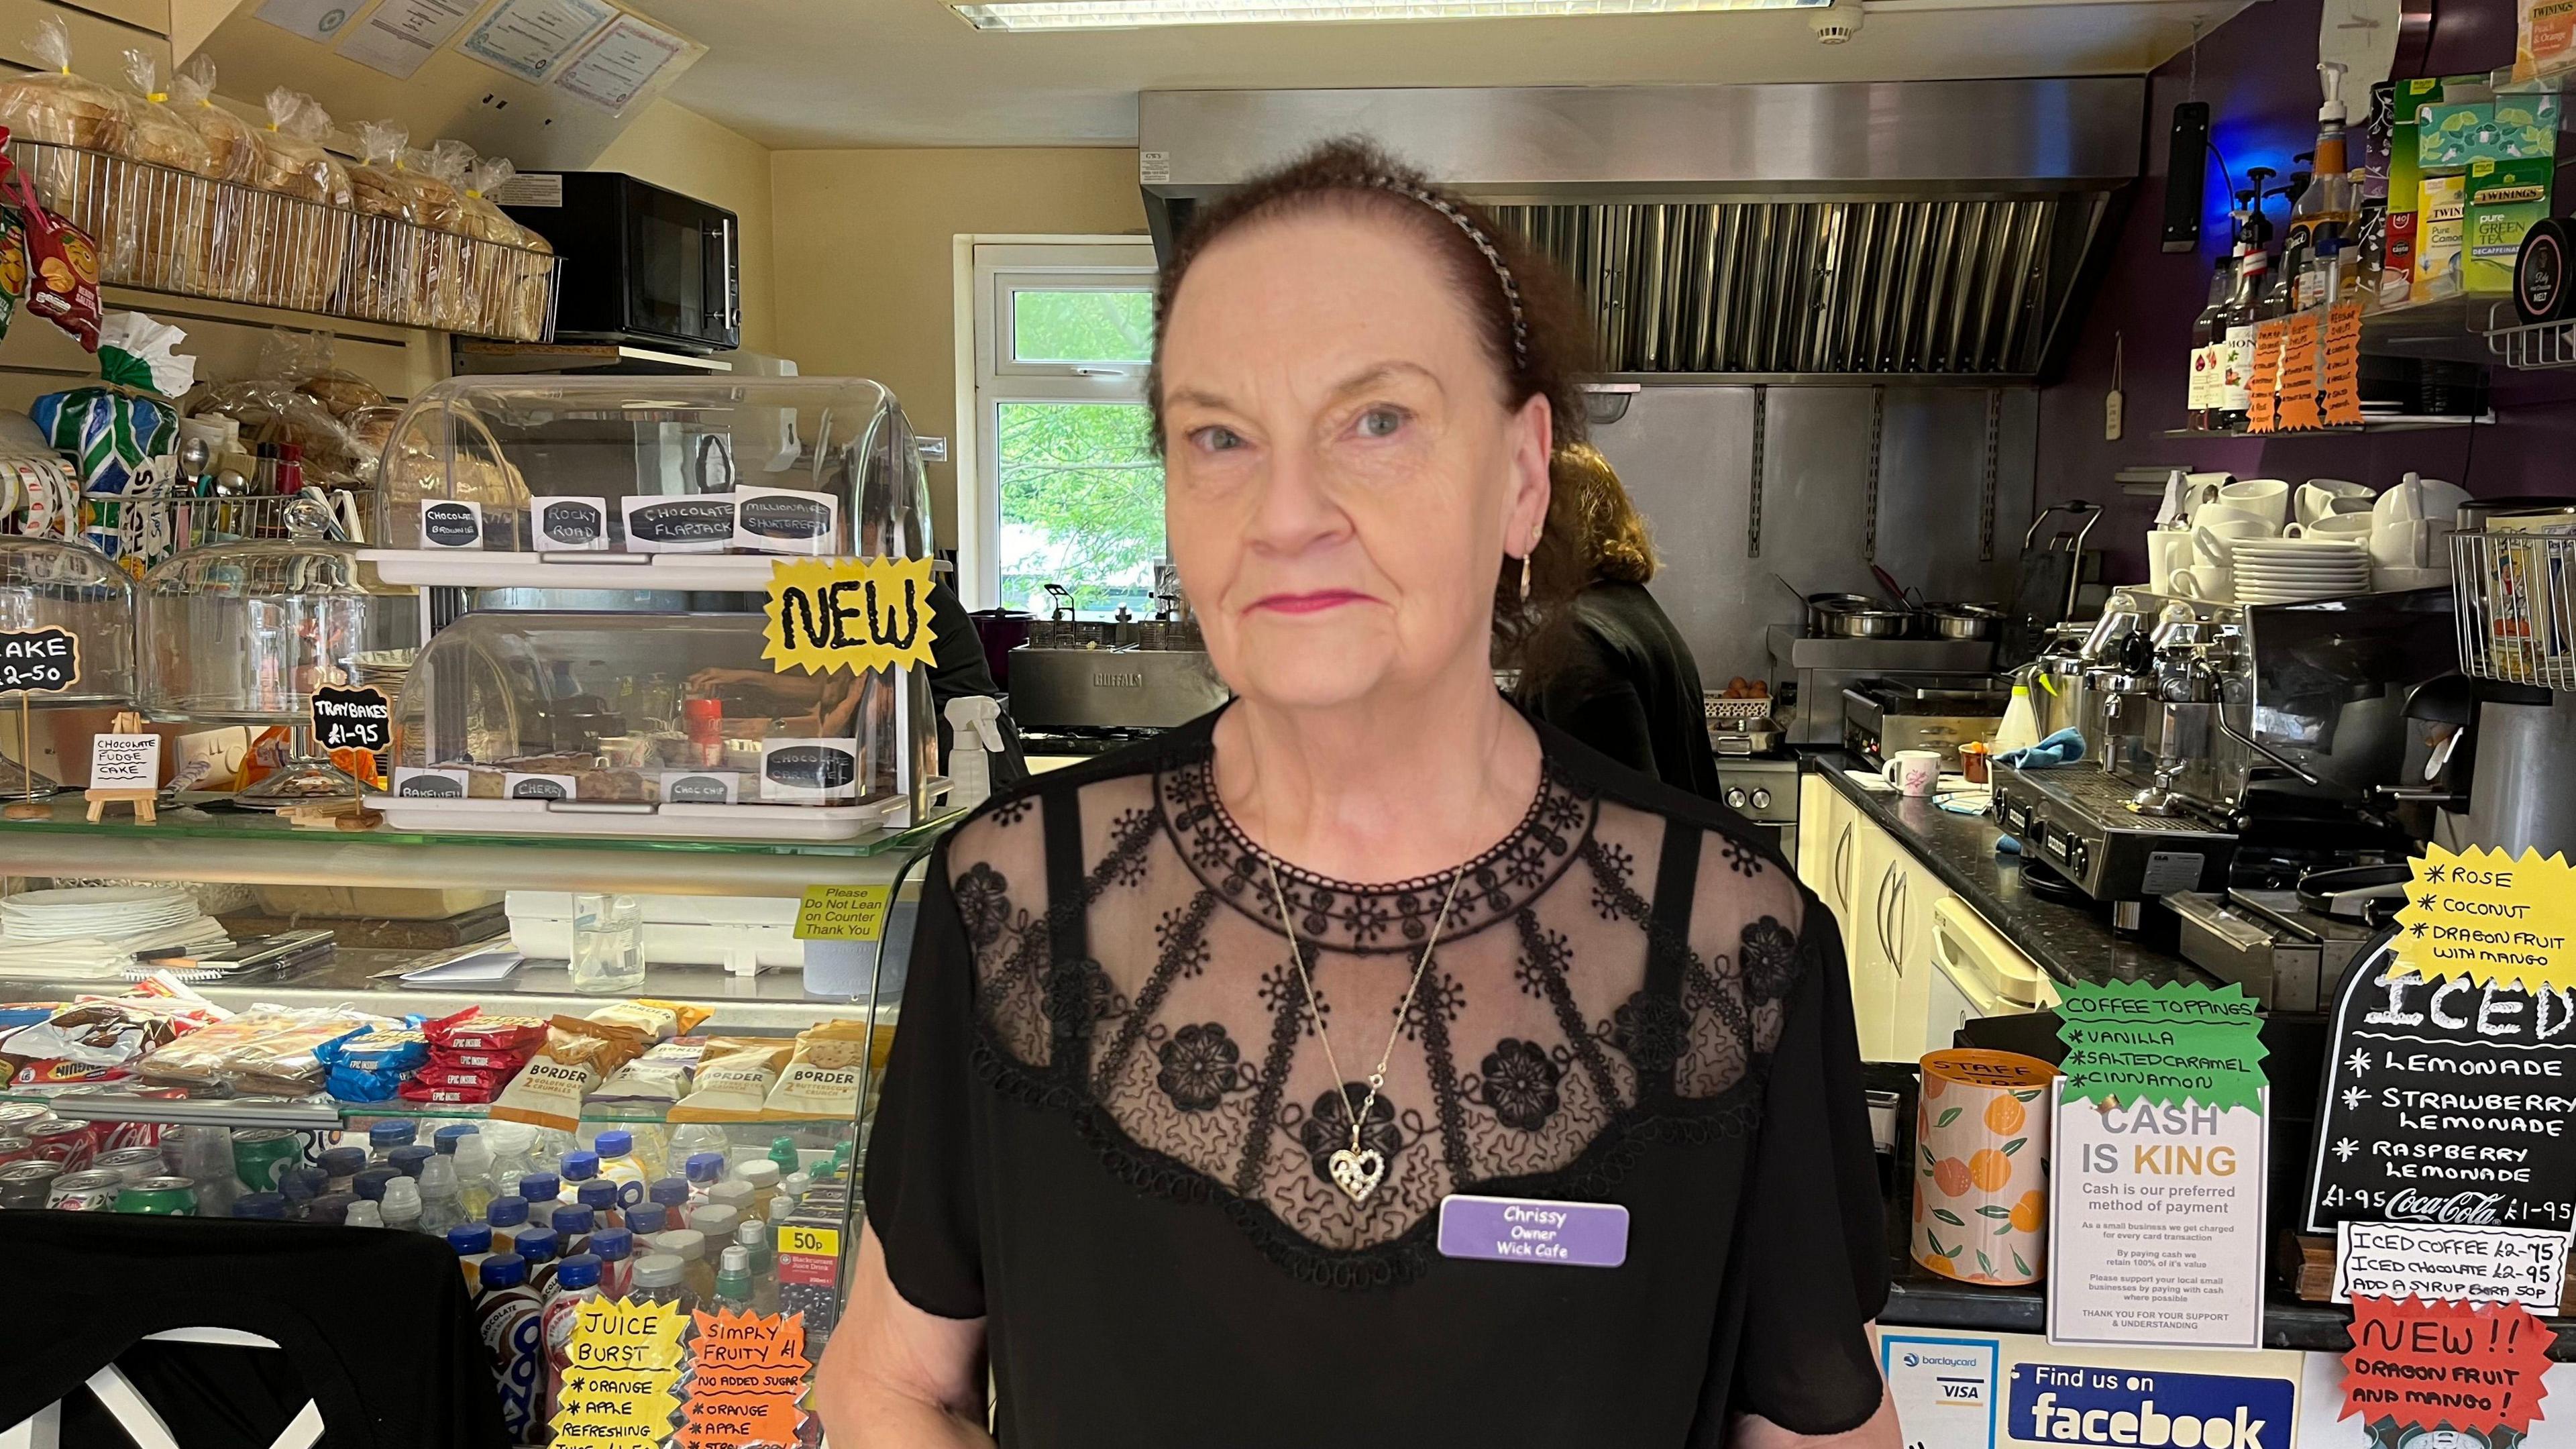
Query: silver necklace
point(1357, 1170)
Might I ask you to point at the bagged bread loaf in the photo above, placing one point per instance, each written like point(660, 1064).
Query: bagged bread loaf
point(223, 264)
point(384, 247)
point(57, 108)
point(297, 251)
point(161, 231)
point(54, 106)
point(310, 362)
point(438, 195)
point(272, 411)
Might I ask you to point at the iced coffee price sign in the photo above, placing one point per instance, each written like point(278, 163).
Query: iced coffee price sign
point(2446, 1100)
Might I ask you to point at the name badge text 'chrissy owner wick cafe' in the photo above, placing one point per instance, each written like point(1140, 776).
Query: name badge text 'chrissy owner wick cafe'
point(1533, 1230)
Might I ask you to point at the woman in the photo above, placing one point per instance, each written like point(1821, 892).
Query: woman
point(1612, 671)
point(1201, 1037)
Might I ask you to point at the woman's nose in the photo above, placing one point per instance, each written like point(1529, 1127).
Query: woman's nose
point(1296, 508)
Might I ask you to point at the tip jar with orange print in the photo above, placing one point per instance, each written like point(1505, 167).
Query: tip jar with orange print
point(1981, 1167)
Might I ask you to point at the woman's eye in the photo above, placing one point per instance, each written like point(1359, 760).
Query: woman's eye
point(1381, 422)
point(1217, 439)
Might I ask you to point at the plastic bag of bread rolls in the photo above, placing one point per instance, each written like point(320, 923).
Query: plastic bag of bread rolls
point(384, 249)
point(224, 265)
point(161, 229)
point(298, 250)
point(53, 106)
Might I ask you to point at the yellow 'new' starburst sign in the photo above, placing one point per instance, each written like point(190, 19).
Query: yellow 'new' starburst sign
point(854, 614)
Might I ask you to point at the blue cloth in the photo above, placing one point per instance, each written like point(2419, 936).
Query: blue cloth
point(2062, 748)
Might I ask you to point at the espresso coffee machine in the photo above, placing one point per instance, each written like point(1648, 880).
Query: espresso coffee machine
point(2230, 748)
point(1098, 681)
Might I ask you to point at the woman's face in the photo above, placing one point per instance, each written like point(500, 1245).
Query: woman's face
point(1342, 475)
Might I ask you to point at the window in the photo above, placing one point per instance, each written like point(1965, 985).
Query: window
point(1066, 488)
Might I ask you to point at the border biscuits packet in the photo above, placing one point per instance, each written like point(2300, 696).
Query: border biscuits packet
point(732, 1087)
point(658, 1020)
point(822, 1078)
point(578, 1055)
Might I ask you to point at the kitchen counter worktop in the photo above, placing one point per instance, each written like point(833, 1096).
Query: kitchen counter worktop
point(2074, 944)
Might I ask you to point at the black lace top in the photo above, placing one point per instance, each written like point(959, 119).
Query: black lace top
point(1106, 1124)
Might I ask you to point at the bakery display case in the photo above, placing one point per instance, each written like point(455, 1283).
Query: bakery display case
point(54, 584)
point(646, 483)
point(649, 724)
point(244, 633)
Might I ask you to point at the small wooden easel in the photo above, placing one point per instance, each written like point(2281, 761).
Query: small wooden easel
point(127, 723)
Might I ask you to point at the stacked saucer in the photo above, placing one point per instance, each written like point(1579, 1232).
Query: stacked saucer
point(93, 912)
point(2289, 570)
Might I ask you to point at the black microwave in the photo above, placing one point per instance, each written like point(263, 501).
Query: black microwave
point(640, 264)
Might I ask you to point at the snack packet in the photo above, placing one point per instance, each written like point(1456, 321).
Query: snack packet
point(100, 1038)
point(732, 1087)
point(658, 1020)
point(470, 1030)
point(267, 1049)
point(486, 1080)
point(822, 1078)
point(661, 1075)
point(578, 1055)
point(482, 1061)
point(368, 1065)
point(62, 267)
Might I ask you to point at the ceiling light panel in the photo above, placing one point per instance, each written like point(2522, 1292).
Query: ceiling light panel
point(1036, 15)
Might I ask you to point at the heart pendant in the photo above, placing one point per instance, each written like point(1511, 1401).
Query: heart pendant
point(1357, 1172)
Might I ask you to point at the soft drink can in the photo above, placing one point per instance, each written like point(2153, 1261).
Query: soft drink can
point(95, 1191)
point(174, 1197)
point(14, 1147)
point(59, 1139)
point(14, 1117)
point(26, 1184)
point(262, 1155)
point(133, 1164)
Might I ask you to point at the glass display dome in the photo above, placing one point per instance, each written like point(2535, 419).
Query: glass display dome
point(666, 724)
point(244, 633)
point(662, 465)
point(51, 583)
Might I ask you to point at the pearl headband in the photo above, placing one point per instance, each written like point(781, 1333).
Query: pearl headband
point(1483, 243)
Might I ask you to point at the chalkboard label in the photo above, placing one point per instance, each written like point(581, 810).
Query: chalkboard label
point(450, 523)
point(796, 769)
point(699, 524)
point(537, 787)
point(414, 784)
point(353, 719)
point(39, 661)
point(698, 787)
point(571, 525)
point(2445, 1102)
point(786, 520)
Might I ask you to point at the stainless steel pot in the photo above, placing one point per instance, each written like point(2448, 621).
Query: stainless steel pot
point(1865, 623)
point(1965, 621)
point(1822, 608)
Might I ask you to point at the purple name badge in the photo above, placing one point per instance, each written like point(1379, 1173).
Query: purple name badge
point(1532, 1230)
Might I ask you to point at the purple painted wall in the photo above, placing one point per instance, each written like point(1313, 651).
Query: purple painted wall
point(2257, 72)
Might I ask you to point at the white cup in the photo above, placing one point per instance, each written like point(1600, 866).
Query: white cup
point(2234, 522)
point(2416, 496)
point(2317, 496)
point(2201, 490)
point(2265, 498)
point(2411, 543)
point(2340, 525)
point(2167, 549)
point(2207, 583)
point(1913, 772)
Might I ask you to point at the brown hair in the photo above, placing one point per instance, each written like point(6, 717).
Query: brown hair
point(1587, 505)
point(1524, 308)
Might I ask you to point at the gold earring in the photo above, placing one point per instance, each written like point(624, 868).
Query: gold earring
point(1525, 572)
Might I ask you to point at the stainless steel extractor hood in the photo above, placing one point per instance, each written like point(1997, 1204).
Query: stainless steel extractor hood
point(1930, 230)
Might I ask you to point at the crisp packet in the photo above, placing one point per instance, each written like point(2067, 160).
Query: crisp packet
point(503, 1062)
point(486, 1080)
point(267, 1049)
point(734, 1086)
point(578, 1055)
point(367, 1065)
point(415, 1091)
point(658, 1020)
point(470, 1030)
point(660, 1075)
point(100, 1038)
point(822, 1078)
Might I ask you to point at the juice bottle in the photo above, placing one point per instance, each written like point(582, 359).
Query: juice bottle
point(541, 1248)
point(576, 1283)
point(507, 1217)
point(473, 1245)
point(572, 1231)
point(753, 1239)
point(544, 1191)
point(618, 1164)
point(647, 1222)
point(615, 1250)
point(341, 1166)
point(690, 1247)
point(764, 1177)
point(474, 1175)
point(600, 1196)
point(385, 1136)
point(676, 1197)
point(733, 1280)
point(441, 1207)
point(718, 1223)
point(507, 1316)
point(661, 1278)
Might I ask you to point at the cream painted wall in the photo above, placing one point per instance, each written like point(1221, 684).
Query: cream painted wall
point(865, 248)
point(672, 146)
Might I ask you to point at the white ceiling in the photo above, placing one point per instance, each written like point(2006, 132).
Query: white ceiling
point(798, 74)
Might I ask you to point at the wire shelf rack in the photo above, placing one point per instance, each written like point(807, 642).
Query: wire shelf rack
point(166, 230)
point(2517, 606)
point(140, 528)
